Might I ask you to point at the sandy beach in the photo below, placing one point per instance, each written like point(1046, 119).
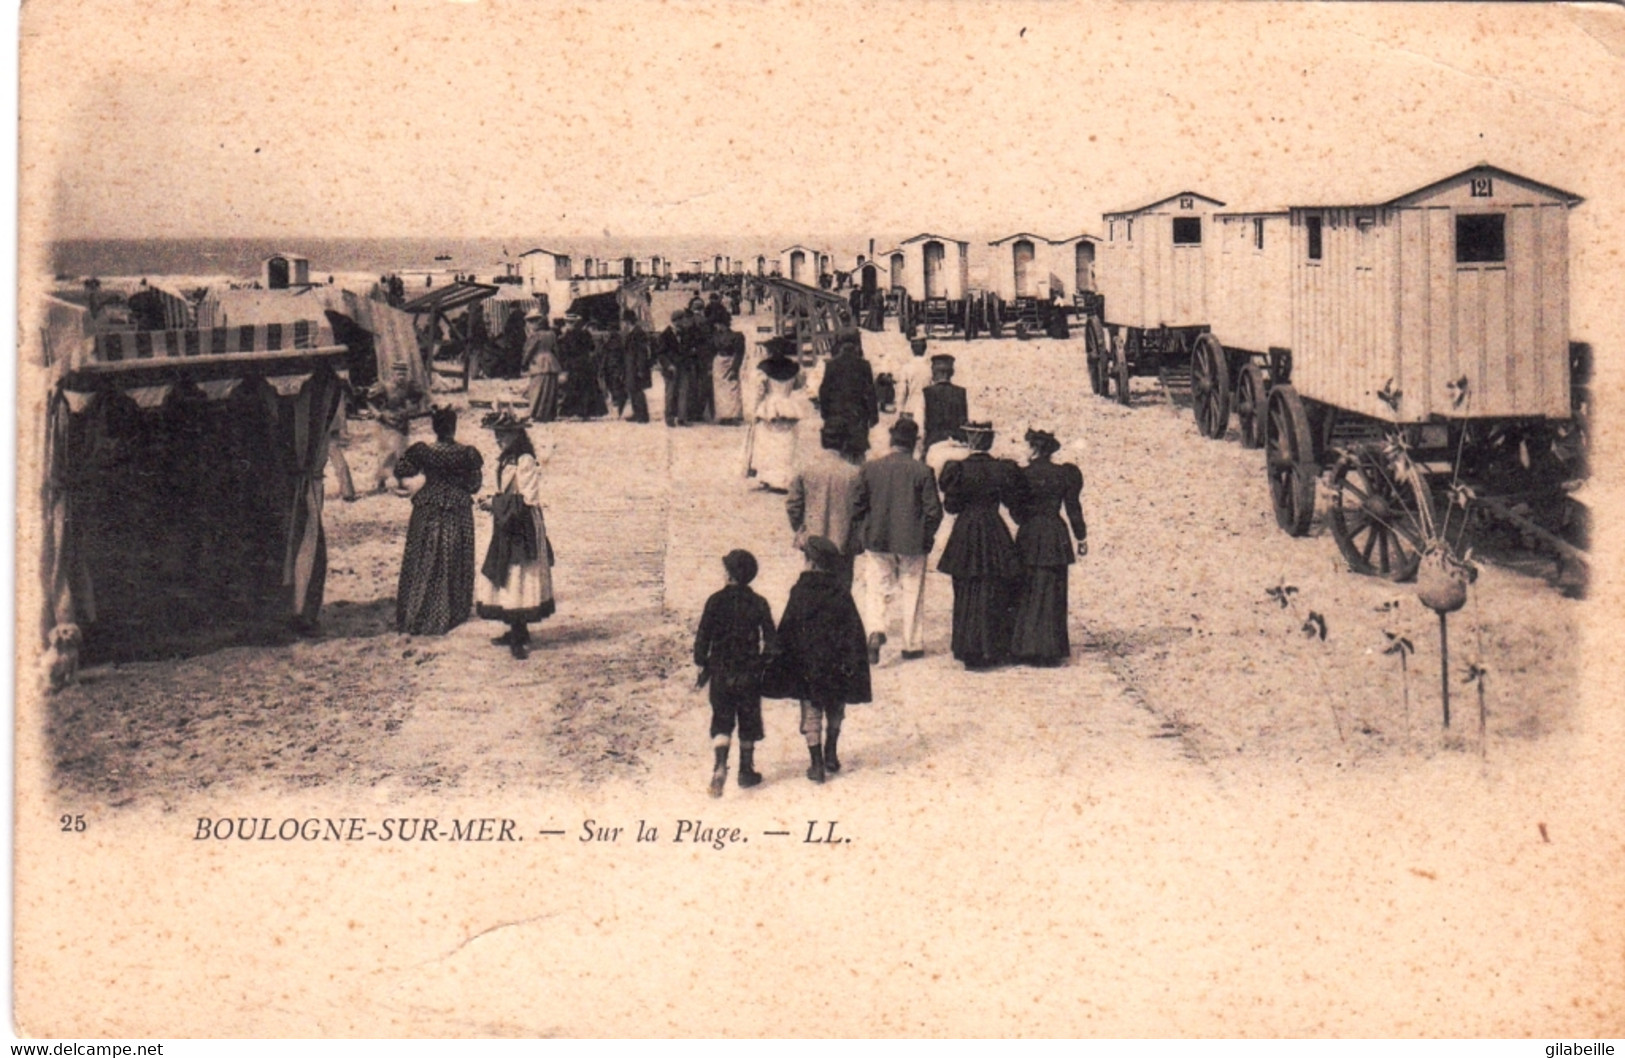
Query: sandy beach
point(1217, 824)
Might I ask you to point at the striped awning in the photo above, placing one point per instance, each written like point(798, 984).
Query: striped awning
point(118, 346)
point(132, 360)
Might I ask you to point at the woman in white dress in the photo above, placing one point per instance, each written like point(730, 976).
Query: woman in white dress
point(515, 584)
point(770, 447)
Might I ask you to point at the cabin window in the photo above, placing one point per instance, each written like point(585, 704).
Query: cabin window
point(1258, 233)
point(1481, 238)
point(1311, 227)
point(1129, 237)
point(1187, 231)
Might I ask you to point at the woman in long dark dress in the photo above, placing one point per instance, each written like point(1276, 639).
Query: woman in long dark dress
point(436, 591)
point(1039, 633)
point(980, 555)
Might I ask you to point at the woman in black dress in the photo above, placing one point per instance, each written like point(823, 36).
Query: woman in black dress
point(436, 590)
point(1039, 635)
point(980, 556)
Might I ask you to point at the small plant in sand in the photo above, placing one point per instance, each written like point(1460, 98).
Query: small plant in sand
point(1475, 675)
point(1313, 626)
point(1443, 572)
point(1401, 647)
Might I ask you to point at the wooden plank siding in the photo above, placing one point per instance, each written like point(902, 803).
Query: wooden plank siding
point(1389, 300)
point(1147, 280)
point(1250, 289)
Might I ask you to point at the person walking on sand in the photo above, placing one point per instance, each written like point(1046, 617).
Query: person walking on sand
point(980, 556)
point(822, 661)
point(776, 412)
point(728, 358)
point(823, 502)
point(897, 515)
point(634, 367)
point(736, 639)
point(912, 377)
point(670, 354)
point(541, 365)
point(946, 409)
point(398, 404)
point(436, 589)
point(1038, 632)
point(515, 585)
point(580, 397)
point(846, 397)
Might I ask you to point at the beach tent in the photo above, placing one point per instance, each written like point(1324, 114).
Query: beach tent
point(382, 339)
point(181, 478)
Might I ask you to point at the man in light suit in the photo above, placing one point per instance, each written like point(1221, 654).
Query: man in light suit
point(897, 514)
point(823, 496)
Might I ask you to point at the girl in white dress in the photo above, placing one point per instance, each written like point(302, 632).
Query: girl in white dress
point(515, 584)
point(770, 446)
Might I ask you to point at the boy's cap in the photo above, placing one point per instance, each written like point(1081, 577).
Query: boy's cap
point(905, 432)
point(741, 565)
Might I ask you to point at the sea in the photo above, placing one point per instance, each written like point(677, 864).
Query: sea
point(73, 259)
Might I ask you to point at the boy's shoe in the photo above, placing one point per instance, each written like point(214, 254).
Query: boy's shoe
point(876, 641)
point(815, 771)
point(519, 651)
point(832, 763)
point(719, 779)
point(747, 779)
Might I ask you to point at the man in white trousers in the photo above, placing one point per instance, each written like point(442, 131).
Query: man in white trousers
point(896, 517)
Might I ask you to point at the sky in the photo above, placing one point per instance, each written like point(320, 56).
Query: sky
point(499, 118)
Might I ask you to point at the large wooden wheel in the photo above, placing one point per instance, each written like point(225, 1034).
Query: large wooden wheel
point(1210, 386)
point(1290, 460)
point(1094, 349)
point(1251, 394)
point(1378, 515)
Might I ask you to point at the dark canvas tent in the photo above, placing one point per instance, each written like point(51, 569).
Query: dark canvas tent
point(182, 491)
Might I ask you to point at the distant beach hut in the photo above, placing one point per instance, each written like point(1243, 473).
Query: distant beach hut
point(935, 267)
point(1020, 266)
point(284, 270)
point(1073, 261)
point(799, 264)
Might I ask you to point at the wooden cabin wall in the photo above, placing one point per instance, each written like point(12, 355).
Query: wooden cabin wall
point(1343, 307)
point(1250, 302)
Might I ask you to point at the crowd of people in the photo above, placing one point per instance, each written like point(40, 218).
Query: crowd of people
point(865, 525)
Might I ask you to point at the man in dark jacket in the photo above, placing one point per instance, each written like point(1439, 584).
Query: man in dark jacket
point(946, 409)
point(671, 353)
point(822, 660)
point(846, 398)
point(634, 368)
point(897, 515)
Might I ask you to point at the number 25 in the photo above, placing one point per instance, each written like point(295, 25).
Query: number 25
point(72, 824)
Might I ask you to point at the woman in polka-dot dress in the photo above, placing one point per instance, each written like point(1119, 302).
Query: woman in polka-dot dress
point(436, 590)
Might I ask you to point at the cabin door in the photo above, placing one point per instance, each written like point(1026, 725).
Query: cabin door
point(276, 273)
point(896, 270)
point(1022, 252)
point(870, 281)
point(798, 267)
point(935, 255)
point(1483, 348)
point(761, 266)
point(1085, 266)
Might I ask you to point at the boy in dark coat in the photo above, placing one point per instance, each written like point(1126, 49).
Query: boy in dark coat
point(735, 640)
point(823, 657)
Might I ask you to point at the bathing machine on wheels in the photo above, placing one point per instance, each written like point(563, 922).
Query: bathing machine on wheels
point(1429, 370)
